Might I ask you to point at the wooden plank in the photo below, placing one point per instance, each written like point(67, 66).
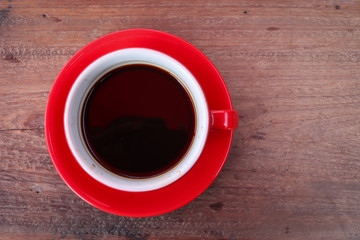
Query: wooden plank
point(261, 199)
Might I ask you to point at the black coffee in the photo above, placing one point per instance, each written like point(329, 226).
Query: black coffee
point(138, 121)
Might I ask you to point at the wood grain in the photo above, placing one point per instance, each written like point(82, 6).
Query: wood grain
point(293, 72)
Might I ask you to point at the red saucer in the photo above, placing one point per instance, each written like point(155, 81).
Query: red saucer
point(139, 204)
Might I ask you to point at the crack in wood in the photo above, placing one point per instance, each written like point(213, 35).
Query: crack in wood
point(21, 129)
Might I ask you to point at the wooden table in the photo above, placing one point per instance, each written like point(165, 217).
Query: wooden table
point(293, 72)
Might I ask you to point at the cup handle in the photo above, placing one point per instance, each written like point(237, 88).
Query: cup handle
point(224, 119)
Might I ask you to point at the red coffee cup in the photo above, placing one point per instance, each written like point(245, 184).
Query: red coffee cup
point(138, 197)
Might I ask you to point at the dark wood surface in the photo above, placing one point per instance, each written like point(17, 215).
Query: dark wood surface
point(293, 72)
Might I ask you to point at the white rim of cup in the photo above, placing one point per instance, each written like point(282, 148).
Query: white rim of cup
point(77, 96)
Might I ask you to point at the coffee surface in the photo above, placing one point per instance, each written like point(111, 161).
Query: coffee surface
point(138, 121)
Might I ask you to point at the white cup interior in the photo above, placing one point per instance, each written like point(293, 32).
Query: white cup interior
point(85, 82)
